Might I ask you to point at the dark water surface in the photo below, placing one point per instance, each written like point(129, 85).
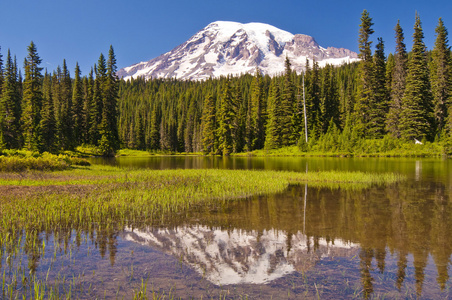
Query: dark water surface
point(384, 242)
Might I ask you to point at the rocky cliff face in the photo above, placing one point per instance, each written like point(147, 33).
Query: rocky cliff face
point(224, 48)
point(241, 257)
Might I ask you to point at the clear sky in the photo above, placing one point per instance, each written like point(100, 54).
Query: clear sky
point(79, 30)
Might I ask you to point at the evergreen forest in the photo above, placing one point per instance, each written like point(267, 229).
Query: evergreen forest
point(382, 101)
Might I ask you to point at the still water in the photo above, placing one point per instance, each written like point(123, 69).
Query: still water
point(385, 242)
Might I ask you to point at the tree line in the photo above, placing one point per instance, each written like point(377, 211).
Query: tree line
point(53, 112)
point(401, 96)
point(397, 97)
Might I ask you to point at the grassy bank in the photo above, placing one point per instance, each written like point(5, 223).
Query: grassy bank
point(373, 148)
point(107, 195)
point(22, 160)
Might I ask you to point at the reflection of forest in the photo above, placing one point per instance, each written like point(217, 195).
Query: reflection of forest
point(412, 218)
point(412, 221)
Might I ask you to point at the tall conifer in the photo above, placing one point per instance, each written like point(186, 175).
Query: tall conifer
point(441, 76)
point(10, 107)
point(365, 74)
point(32, 98)
point(416, 118)
point(47, 123)
point(208, 125)
point(77, 106)
point(397, 84)
point(109, 141)
point(378, 107)
point(226, 116)
point(287, 105)
point(274, 112)
point(257, 112)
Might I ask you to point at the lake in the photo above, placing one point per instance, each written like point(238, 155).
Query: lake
point(393, 241)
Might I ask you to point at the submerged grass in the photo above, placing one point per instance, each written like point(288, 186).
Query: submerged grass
point(108, 195)
point(104, 199)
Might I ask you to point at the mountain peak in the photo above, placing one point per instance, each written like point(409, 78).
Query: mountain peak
point(225, 47)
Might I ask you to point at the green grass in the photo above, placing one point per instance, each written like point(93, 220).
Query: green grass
point(367, 148)
point(105, 199)
point(108, 195)
point(20, 161)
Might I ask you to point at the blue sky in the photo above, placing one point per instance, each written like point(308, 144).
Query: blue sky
point(79, 30)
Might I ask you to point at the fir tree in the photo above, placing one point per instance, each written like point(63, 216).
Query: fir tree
point(226, 116)
point(48, 122)
point(365, 74)
point(10, 108)
point(440, 76)
point(154, 132)
point(208, 125)
point(109, 141)
point(416, 118)
point(240, 120)
point(329, 99)
point(257, 112)
point(313, 91)
point(1, 71)
point(66, 121)
point(273, 129)
point(78, 105)
point(91, 110)
point(378, 107)
point(397, 84)
point(32, 99)
point(287, 104)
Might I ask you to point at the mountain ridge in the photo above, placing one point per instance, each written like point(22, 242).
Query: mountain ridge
point(230, 48)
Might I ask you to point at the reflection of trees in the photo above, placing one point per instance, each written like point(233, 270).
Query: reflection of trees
point(404, 220)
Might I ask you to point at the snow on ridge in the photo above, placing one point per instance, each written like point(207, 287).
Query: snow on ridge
point(231, 48)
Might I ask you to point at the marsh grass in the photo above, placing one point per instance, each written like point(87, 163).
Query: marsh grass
point(106, 199)
point(108, 195)
point(21, 160)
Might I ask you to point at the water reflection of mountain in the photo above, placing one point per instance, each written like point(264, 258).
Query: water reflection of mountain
point(239, 256)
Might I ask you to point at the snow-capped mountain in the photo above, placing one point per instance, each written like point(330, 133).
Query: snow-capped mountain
point(224, 48)
point(241, 257)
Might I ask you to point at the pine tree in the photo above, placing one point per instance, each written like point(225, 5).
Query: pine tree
point(10, 108)
point(441, 76)
point(274, 112)
point(109, 141)
point(139, 132)
point(378, 107)
point(66, 118)
point(313, 91)
point(416, 118)
point(1, 71)
point(240, 120)
point(257, 112)
point(48, 122)
point(226, 116)
point(397, 84)
point(78, 105)
point(287, 105)
point(365, 74)
point(32, 98)
point(208, 125)
point(91, 110)
point(329, 99)
point(154, 133)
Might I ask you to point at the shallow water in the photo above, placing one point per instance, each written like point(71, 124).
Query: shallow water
point(393, 241)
